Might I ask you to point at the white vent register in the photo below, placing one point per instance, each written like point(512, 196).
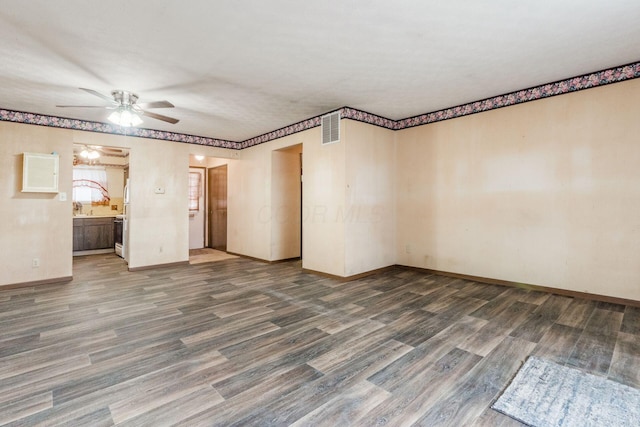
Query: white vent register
point(331, 128)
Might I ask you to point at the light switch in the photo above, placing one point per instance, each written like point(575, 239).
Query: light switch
point(62, 196)
point(159, 190)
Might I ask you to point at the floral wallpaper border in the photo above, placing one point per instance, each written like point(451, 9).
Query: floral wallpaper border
point(284, 131)
point(65, 123)
point(587, 81)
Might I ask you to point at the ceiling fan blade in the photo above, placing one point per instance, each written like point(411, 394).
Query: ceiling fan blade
point(155, 104)
point(99, 95)
point(83, 106)
point(160, 117)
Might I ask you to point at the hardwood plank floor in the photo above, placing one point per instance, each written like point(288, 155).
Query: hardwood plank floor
point(239, 342)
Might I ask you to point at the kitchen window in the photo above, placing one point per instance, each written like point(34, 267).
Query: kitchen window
point(90, 185)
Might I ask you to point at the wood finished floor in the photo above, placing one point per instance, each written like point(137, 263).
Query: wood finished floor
point(239, 342)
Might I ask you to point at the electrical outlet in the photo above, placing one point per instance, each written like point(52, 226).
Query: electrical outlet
point(407, 248)
point(62, 196)
point(159, 190)
point(35, 263)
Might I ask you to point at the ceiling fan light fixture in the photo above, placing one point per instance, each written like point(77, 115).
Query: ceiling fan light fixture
point(124, 116)
point(127, 112)
point(89, 154)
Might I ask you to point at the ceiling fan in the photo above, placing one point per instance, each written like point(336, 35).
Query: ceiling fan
point(127, 111)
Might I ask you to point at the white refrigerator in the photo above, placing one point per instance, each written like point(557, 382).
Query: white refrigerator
point(124, 250)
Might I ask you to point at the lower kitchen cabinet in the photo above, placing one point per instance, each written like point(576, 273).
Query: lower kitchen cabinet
point(93, 233)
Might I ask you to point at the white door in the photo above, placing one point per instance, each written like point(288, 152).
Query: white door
point(196, 209)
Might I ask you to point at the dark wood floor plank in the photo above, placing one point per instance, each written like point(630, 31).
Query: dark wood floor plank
point(577, 314)
point(360, 338)
point(631, 321)
point(130, 366)
point(23, 407)
point(495, 330)
point(349, 408)
point(541, 319)
point(220, 337)
point(594, 349)
point(528, 296)
point(171, 411)
point(395, 375)
point(316, 393)
point(76, 415)
point(256, 370)
point(421, 391)
point(273, 344)
point(558, 343)
point(479, 386)
point(625, 363)
point(39, 380)
point(495, 307)
point(36, 353)
point(480, 291)
point(418, 330)
point(240, 342)
point(264, 392)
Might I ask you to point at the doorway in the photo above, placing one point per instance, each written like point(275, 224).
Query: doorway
point(286, 198)
point(217, 196)
point(197, 211)
point(99, 175)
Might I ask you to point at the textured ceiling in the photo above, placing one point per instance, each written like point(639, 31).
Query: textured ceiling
point(235, 70)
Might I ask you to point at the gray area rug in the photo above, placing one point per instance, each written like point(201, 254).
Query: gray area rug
point(546, 394)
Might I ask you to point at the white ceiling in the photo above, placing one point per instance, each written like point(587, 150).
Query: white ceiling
point(238, 69)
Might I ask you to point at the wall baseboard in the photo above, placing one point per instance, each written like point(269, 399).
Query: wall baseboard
point(557, 291)
point(151, 267)
point(54, 281)
point(264, 260)
point(94, 252)
point(349, 278)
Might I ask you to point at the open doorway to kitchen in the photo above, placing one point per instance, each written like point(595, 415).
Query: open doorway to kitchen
point(99, 178)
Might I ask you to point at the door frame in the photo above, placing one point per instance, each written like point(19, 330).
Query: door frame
point(209, 219)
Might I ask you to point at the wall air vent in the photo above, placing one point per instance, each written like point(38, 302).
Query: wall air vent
point(331, 128)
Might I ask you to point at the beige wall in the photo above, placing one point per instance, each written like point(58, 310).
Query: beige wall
point(40, 226)
point(159, 223)
point(348, 206)
point(323, 204)
point(251, 219)
point(286, 194)
point(248, 206)
point(546, 193)
point(34, 225)
point(369, 216)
